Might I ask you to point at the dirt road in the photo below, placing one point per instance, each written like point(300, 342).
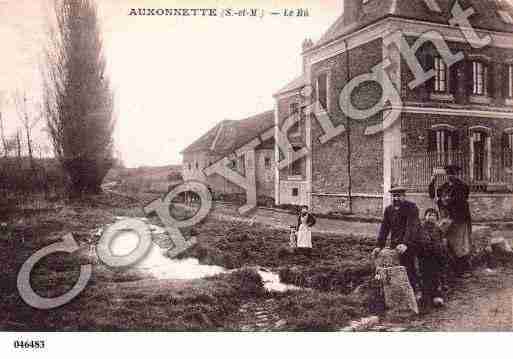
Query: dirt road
point(481, 303)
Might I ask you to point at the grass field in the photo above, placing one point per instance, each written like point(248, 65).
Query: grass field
point(132, 300)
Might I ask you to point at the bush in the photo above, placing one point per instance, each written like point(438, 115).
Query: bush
point(247, 282)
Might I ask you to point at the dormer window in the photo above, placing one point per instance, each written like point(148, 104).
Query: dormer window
point(479, 78)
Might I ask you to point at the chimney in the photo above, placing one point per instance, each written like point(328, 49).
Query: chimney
point(307, 43)
point(352, 11)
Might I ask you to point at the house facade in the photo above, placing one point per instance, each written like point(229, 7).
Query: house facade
point(461, 114)
point(228, 141)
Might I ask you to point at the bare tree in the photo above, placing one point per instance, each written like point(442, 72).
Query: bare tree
point(20, 102)
point(78, 100)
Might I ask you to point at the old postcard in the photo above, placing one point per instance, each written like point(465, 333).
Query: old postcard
point(255, 166)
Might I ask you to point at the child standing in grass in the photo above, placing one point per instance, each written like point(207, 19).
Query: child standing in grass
point(304, 235)
point(432, 258)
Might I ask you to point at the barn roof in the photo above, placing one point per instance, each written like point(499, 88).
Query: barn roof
point(229, 135)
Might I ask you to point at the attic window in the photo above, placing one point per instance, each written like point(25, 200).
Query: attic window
point(505, 16)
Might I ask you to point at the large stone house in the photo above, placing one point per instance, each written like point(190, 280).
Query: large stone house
point(225, 141)
point(462, 113)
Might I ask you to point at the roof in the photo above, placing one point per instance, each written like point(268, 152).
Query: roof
point(292, 85)
point(228, 135)
point(489, 15)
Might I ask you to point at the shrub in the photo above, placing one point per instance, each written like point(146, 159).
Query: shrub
point(247, 281)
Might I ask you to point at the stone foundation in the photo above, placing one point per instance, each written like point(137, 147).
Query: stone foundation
point(365, 205)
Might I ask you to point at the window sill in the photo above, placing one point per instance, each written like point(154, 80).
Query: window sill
point(441, 96)
point(480, 99)
point(295, 178)
point(295, 135)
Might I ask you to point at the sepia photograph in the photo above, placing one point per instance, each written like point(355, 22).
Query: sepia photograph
point(338, 166)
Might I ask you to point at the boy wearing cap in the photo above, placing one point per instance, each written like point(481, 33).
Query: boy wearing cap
point(453, 198)
point(401, 222)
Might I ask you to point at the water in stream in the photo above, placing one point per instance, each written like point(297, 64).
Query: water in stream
point(162, 267)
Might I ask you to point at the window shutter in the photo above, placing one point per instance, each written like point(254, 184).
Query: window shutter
point(431, 140)
point(504, 148)
point(427, 60)
point(504, 71)
point(491, 80)
point(468, 80)
point(453, 79)
point(455, 140)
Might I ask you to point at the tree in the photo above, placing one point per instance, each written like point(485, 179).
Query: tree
point(77, 97)
point(20, 102)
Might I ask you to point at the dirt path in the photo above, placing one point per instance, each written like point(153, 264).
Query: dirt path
point(282, 220)
point(481, 303)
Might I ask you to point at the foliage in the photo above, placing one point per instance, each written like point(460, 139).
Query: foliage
point(78, 101)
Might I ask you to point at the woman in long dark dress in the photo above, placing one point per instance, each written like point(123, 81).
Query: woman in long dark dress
point(453, 199)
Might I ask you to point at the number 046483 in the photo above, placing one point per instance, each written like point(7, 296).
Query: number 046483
point(29, 344)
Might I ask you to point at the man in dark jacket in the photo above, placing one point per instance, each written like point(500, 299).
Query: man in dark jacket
point(401, 222)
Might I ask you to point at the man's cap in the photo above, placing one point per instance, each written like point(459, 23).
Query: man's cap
point(452, 169)
point(397, 189)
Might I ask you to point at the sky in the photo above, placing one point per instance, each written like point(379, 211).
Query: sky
point(174, 77)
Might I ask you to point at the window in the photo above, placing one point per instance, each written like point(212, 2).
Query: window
point(507, 148)
point(440, 75)
point(480, 154)
point(509, 141)
point(295, 167)
point(293, 108)
point(197, 165)
point(295, 192)
point(443, 144)
point(443, 138)
point(509, 77)
point(267, 163)
point(480, 78)
point(297, 129)
point(322, 90)
point(190, 166)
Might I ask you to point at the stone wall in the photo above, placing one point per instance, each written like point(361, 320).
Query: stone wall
point(362, 205)
point(329, 160)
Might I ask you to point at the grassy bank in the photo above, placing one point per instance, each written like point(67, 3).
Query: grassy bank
point(130, 300)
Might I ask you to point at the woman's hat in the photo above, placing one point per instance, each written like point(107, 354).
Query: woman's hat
point(452, 169)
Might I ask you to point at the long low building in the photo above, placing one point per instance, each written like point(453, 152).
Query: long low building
point(222, 143)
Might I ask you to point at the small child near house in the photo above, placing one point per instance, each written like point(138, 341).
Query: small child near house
point(432, 254)
point(304, 234)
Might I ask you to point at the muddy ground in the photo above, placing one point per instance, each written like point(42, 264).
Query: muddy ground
point(334, 280)
point(131, 300)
